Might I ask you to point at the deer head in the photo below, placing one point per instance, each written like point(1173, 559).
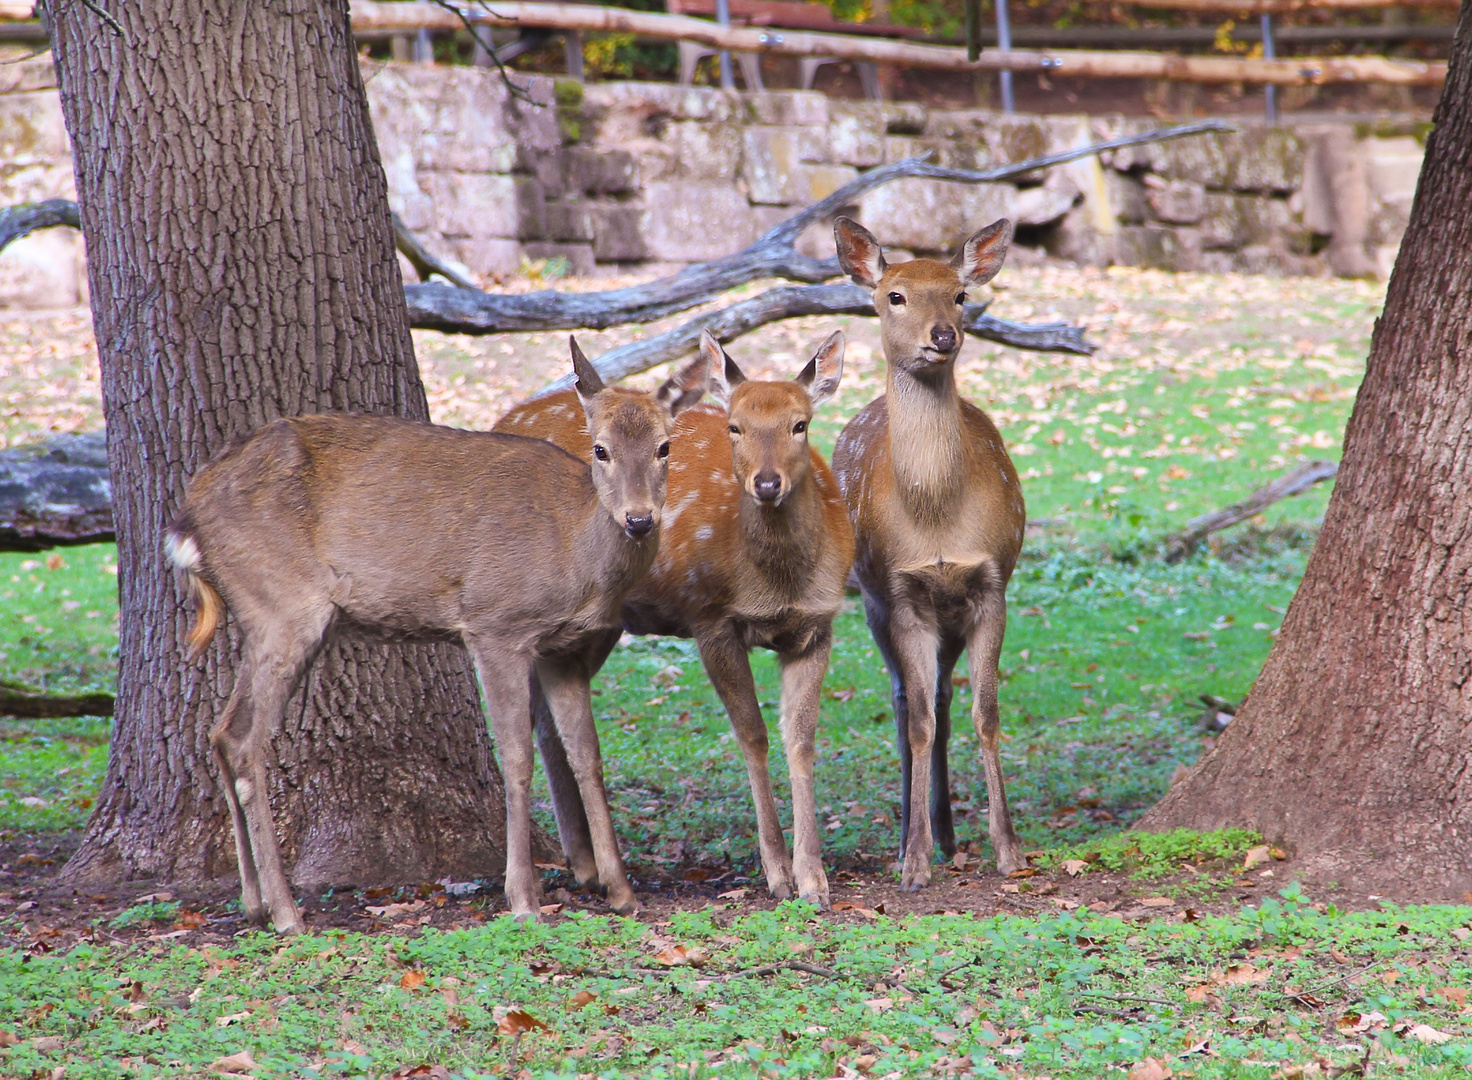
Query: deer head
point(631, 439)
point(769, 420)
point(920, 302)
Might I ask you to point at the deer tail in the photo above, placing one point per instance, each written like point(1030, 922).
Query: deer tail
point(209, 606)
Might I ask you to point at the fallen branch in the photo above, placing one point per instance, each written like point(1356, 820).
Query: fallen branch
point(55, 494)
point(792, 301)
point(52, 706)
point(785, 965)
point(773, 255)
point(420, 258)
point(1198, 529)
point(22, 220)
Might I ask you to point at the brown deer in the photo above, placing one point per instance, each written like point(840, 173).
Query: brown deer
point(408, 530)
point(938, 521)
point(756, 550)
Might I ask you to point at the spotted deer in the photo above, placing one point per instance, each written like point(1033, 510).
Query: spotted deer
point(409, 531)
point(938, 521)
point(756, 551)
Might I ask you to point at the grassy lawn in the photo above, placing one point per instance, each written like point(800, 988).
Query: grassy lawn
point(1204, 389)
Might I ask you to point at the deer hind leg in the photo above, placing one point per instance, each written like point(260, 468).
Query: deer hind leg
point(985, 649)
point(729, 669)
point(802, 688)
point(567, 800)
point(942, 826)
point(505, 677)
point(877, 614)
point(916, 646)
point(231, 731)
point(566, 685)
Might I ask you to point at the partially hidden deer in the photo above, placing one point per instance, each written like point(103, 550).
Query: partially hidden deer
point(756, 552)
point(938, 522)
point(406, 530)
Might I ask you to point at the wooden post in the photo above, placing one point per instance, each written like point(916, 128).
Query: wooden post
point(1269, 52)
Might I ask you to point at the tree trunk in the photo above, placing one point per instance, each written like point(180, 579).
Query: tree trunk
point(242, 268)
point(1354, 744)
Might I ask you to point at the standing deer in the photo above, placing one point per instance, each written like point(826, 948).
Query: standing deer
point(938, 521)
point(408, 530)
point(756, 551)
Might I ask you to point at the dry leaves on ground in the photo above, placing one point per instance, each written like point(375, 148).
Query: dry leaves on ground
point(1151, 1069)
point(516, 1021)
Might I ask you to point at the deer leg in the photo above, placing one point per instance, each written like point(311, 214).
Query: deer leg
point(877, 614)
point(729, 669)
point(802, 688)
point(231, 729)
point(942, 826)
point(916, 648)
point(566, 685)
point(985, 649)
point(505, 677)
point(567, 800)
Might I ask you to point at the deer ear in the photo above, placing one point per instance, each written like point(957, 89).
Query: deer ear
point(686, 386)
point(859, 252)
point(983, 253)
point(820, 378)
point(725, 376)
point(589, 382)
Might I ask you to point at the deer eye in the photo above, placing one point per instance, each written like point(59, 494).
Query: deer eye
point(799, 427)
point(960, 298)
point(663, 451)
point(600, 452)
point(897, 299)
point(734, 430)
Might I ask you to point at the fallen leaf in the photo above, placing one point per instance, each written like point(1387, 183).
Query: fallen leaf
point(235, 1063)
point(583, 997)
point(1255, 857)
point(1427, 1034)
point(7, 1038)
point(1239, 975)
point(231, 1018)
point(1457, 995)
point(1204, 995)
point(550, 909)
point(411, 980)
point(518, 1021)
point(880, 1004)
point(1151, 1069)
point(681, 956)
point(1074, 867)
point(393, 911)
point(1158, 901)
point(735, 894)
point(1353, 1023)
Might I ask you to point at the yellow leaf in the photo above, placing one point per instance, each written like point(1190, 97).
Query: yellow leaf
point(411, 980)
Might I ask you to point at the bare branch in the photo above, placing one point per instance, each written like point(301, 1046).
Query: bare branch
point(22, 220)
point(422, 260)
point(522, 93)
point(1199, 528)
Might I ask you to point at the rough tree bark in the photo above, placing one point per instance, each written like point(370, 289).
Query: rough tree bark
point(242, 268)
point(1354, 744)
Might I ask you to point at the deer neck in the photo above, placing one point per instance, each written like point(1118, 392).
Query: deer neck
point(927, 444)
point(616, 560)
point(784, 542)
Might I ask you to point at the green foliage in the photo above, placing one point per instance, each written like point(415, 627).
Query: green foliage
point(154, 911)
point(1155, 855)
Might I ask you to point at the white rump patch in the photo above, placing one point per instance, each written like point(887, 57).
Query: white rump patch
point(183, 552)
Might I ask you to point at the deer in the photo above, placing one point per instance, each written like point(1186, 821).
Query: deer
point(756, 551)
point(406, 530)
point(938, 519)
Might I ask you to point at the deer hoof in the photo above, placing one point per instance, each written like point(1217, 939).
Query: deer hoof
point(916, 872)
point(627, 906)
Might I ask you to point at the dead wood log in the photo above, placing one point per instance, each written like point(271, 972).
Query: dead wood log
point(31, 706)
point(792, 301)
point(22, 220)
point(1181, 545)
point(425, 264)
point(55, 494)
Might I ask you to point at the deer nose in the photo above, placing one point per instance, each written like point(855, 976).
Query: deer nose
point(638, 525)
point(943, 338)
point(767, 486)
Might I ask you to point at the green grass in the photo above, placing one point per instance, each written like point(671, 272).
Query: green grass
point(1073, 995)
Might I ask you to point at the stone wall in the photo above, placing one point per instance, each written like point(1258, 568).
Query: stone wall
point(637, 176)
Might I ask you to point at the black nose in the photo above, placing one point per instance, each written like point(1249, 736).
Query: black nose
point(638, 526)
point(943, 338)
point(767, 486)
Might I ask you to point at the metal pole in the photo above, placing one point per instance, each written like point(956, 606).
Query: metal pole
point(1270, 92)
point(1004, 42)
point(723, 17)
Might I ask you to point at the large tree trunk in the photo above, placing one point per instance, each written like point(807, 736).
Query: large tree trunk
point(1354, 744)
point(242, 268)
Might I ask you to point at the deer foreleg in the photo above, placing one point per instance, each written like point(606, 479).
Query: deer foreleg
point(566, 685)
point(802, 687)
point(916, 645)
point(729, 669)
point(985, 649)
